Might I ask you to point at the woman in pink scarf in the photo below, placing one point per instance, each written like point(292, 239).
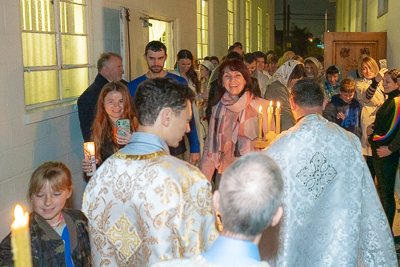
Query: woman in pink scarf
point(233, 125)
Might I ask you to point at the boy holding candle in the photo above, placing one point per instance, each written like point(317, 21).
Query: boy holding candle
point(59, 236)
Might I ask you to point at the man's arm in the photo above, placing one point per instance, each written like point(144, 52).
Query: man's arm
point(193, 138)
point(86, 116)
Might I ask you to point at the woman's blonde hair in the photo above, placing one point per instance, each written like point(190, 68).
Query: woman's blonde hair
point(53, 172)
point(371, 63)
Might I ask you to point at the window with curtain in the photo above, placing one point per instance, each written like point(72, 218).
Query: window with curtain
point(259, 29)
point(202, 29)
point(55, 50)
point(231, 15)
point(248, 31)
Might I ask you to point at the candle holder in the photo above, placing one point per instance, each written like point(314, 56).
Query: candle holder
point(269, 137)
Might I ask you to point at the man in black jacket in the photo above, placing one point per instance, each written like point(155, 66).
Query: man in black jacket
point(110, 69)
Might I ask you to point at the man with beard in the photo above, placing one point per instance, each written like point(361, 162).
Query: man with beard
point(155, 56)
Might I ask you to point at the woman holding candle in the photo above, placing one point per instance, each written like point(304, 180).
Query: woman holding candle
point(279, 90)
point(233, 127)
point(114, 103)
point(59, 236)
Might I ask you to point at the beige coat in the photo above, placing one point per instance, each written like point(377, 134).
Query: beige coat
point(368, 110)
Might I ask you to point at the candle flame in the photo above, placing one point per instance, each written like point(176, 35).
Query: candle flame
point(259, 109)
point(18, 212)
point(278, 104)
point(90, 147)
point(270, 103)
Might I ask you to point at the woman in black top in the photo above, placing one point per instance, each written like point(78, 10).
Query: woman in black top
point(384, 137)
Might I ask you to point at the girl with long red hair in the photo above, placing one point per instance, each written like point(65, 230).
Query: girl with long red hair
point(114, 103)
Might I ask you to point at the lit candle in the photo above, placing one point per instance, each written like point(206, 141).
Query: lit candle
point(90, 154)
point(278, 118)
point(270, 112)
point(20, 238)
point(259, 116)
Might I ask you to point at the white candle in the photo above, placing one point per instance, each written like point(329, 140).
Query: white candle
point(90, 154)
point(278, 118)
point(270, 112)
point(259, 116)
point(21, 238)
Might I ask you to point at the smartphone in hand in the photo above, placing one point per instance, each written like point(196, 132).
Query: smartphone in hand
point(124, 124)
point(382, 63)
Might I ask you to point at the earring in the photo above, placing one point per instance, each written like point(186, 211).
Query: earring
point(219, 221)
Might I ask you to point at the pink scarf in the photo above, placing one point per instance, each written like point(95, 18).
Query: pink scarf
point(244, 127)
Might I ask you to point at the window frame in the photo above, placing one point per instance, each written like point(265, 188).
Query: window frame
point(248, 26)
point(383, 7)
point(62, 102)
point(259, 29)
point(231, 35)
point(203, 28)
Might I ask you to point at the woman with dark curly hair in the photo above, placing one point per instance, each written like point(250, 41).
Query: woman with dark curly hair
point(233, 125)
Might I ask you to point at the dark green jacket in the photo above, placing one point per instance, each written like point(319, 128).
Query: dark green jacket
point(47, 245)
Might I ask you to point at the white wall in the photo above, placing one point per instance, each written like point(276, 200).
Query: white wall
point(385, 23)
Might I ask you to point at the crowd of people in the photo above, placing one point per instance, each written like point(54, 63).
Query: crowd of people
point(185, 184)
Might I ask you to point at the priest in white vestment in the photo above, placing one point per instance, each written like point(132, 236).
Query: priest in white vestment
point(332, 213)
point(144, 205)
point(248, 201)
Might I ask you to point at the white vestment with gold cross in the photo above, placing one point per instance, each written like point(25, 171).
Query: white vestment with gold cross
point(146, 208)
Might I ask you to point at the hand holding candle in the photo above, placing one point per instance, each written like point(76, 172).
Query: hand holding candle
point(278, 118)
point(90, 154)
point(270, 112)
point(259, 116)
point(20, 238)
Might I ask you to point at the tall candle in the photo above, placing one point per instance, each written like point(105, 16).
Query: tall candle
point(20, 238)
point(90, 154)
point(270, 113)
point(278, 118)
point(259, 116)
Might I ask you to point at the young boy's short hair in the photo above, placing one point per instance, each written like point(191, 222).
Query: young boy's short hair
point(53, 172)
point(347, 86)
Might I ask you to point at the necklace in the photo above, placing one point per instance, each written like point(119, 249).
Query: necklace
point(57, 223)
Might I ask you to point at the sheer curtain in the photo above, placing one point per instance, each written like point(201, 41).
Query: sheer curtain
point(157, 30)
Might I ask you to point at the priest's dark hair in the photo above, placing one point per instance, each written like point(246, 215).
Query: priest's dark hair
point(308, 93)
point(251, 191)
point(155, 94)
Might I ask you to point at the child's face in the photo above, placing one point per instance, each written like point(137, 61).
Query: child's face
point(346, 97)
point(48, 203)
